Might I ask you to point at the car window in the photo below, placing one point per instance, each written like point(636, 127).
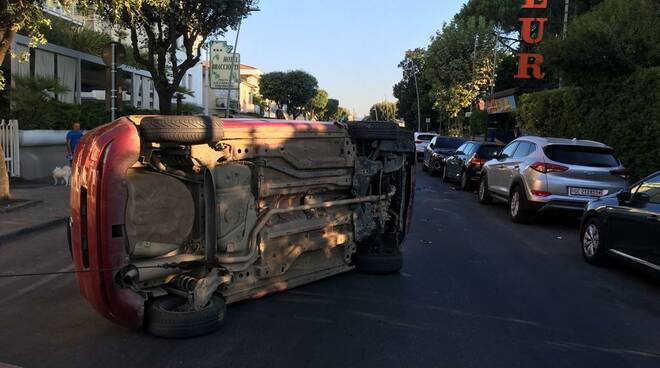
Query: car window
point(462, 148)
point(532, 148)
point(432, 144)
point(449, 142)
point(522, 150)
point(469, 149)
point(425, 137)
point(582, 155)
point(650, 188)
point(488, 152)
point(509, 150)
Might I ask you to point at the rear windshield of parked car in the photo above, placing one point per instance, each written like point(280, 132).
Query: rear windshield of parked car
point(582, 156)
point(425, 137)
point(488, 152)
point(452, 143)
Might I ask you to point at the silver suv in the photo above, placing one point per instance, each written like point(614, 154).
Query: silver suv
point(537, 174)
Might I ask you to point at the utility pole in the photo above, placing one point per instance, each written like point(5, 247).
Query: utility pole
point(231, 71)
point(419, 113)
point(565, 32)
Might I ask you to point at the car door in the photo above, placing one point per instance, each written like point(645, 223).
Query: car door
point(636, 225)
point(513, 165)
point(499, 171)
point(428, 152)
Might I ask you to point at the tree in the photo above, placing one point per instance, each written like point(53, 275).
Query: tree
point(331, 109)
point(293, 89)
point(158, 29)
point(383, 111)
point(317, 105)
point(406, 92)
point(342, 114)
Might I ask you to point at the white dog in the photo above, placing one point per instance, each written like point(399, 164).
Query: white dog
point(62, 174)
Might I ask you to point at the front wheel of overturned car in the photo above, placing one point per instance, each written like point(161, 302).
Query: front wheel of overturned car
point(181, 129)
point(170, 317)
point(373, 130)
point(383, 262)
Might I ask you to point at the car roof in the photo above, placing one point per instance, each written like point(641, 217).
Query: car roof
point(546, 141)
point(425, 133)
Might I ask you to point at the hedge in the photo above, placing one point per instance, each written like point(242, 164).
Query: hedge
point(623, 113)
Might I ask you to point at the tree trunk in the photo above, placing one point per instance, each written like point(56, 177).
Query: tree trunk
point(4, 176)
point(165, 102)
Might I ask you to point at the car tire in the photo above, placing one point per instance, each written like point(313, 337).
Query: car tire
point(482, 195)
point(387, 260)
point(445, 178)
point(163, 319)
point(373, 131)
point(519, 206)
point(181, 129)
point(464, 183)
point(593, 242)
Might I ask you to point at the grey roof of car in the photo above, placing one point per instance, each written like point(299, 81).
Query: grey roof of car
point(577, 142)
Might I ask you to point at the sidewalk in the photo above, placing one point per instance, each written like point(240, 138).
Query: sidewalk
point(51, 209)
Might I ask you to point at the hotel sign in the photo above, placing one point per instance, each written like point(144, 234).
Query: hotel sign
point(529, 64)
point(221, 64)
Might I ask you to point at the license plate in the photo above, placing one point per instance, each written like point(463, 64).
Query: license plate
point(585, 192)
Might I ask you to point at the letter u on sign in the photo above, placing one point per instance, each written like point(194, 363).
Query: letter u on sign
point(535, 4)
point(526, 31)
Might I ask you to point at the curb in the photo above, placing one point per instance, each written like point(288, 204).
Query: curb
point(30, 229)
point(21, 206)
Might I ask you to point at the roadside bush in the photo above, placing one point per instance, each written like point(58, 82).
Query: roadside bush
point(623, 113)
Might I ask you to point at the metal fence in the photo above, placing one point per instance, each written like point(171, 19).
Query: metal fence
point(10, 144)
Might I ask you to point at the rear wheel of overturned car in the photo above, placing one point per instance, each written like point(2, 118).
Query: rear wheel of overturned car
point(171, 317)
point(379, 260)
point(483, 195)
point(181, 129)
point(373, 130)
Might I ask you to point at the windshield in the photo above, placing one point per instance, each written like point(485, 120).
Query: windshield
point(582, 156)
point(488, 152)
point(425, 137)
point(448, 143)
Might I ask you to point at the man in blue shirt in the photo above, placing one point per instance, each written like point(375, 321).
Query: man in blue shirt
point(73, 136)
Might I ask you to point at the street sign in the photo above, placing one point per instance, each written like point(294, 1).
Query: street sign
point(428, 120)
point(120, 54)
point(221, 65)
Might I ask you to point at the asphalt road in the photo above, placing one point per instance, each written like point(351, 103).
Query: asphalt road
point(476, 291)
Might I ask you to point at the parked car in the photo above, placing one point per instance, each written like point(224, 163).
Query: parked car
point(421, 142)
point(438, 150)
point(537, 174)
point(624, 225)
point(173, 217)
point(464, 166)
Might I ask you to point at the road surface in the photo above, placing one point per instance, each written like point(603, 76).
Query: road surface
point(476, 291)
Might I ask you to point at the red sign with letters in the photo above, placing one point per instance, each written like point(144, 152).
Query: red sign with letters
point(529, 64)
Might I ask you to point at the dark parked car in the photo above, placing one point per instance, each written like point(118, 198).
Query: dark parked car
point(438, 150)
point(464, 166)
point(626, 225)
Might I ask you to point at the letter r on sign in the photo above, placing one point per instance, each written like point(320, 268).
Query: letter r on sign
point(533, 4)
point(527, 62)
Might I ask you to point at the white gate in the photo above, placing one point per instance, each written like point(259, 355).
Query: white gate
point(9, 142)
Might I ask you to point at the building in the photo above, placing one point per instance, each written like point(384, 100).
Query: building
point(249, 88)
point(245, 101)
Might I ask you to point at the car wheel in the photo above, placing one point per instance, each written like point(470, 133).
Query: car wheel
point(594, 242)
point(483, 195)
point(374, 131)
point(445, 178)
point(379, 260)
point(518, 206)
point(181, 129)
point(465, 182)
point(424, 167)
point(169, 317)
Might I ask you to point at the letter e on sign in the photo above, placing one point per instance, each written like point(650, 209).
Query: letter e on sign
point(533, 4)
point(530, 61)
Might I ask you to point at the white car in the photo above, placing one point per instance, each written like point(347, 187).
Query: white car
point(421, 142)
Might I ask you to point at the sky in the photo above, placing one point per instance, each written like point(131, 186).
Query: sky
point(352, 47)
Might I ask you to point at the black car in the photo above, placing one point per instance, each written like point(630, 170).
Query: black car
point(464, 166)
point(625, 225)
point(438, 150)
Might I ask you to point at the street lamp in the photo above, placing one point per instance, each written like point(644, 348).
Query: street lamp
point(413, 69)
point(231, 69)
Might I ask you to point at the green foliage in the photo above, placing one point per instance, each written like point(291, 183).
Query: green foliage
point(295, 89)
point(331, 109)
point(614, 112)
point(478, 121)
point(406, 92)
point(342, 114)
point(615, 38)
point(383, 111)
point(318, 104)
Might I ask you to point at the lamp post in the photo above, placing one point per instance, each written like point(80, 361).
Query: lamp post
point(231, 69)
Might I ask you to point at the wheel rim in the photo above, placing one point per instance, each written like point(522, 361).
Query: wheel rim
point(515, 204)
point(590, 240)
point(482, 190)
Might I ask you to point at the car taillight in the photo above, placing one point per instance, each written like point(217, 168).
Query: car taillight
point(622, 173)
point(476, 161)
point(417, 142)
point(540, 193)
point(545, 168)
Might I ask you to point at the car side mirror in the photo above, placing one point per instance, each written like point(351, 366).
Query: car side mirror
point(624, 196)
point(641, 198)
